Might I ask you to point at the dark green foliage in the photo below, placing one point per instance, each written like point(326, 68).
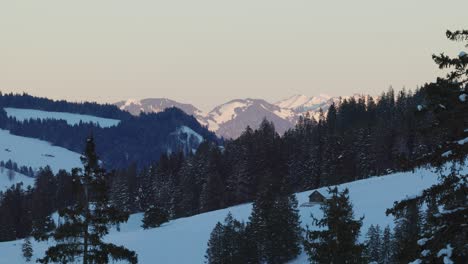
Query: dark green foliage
point(386, 253)
point(374, 244)
point(43, 203)
point(27, 249)
point(229, 243)
point(445, 229)
point(406, 232)
point(338, 241)
point(274, 225)
point(155, 216)
point(88, 220)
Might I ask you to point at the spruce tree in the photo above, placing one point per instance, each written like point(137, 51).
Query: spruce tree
point(386, 254)
point(373, 244)
point(154, 216)
point(85, 223)
point(228, 243)
point(27, 249)
point(275, 227)
point(336, 241)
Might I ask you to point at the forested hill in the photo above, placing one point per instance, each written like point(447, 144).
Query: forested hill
point(86, 108)
point(139, 140)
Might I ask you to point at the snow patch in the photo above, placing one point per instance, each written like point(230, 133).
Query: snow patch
point(71, 119)
point(36, 153)
point(462, 141)
point(6, 182)
point(462, 97)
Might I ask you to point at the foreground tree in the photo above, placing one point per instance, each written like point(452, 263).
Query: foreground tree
point(79, 237)
point(444, 235)
point(336, 241)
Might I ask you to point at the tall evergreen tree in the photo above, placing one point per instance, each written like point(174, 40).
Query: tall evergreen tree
point(338, 242)
point(386, 253)
point(373, 244)
point(27, 249)
point(228, 243)
point(79, 237)
point(275, 227)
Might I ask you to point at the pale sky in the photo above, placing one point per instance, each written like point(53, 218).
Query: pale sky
point(207, 52)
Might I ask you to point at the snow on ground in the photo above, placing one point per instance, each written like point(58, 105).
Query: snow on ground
point(227, 111)
point(190, 133)
point(6, 183)
point(184, 240)
point(36, 153)
point(71, 119)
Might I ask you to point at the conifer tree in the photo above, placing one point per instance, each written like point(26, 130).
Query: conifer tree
point(79, 237)
point(154, 216)
point(444, 234)
point(338, 242)
point(27, 249)
point(386, 256)
point(373, 244)
point(228, 243)
point(275, 227)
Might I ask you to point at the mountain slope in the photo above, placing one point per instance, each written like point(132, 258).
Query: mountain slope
point(190, 235)
point(156, 105)
point(125, 139)
point(230, 119)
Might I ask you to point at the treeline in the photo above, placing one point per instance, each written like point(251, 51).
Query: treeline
point(139, 140)
point(25, 100)
point(13, 166)
point(356, 139)
point(26, 211)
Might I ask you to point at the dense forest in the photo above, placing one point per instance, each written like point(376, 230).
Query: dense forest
point(124, 144)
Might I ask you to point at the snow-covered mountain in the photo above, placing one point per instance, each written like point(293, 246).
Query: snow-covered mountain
point(301, 102)
point(191, 234)
point(156, 105)
point(230, 119)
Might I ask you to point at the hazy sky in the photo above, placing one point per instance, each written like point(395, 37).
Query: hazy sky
point(207, 52)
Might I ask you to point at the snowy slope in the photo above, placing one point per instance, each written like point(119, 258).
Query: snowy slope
point(184, 240)
point(302, 101)
point(71, 119)
point(36, 153)
point(6, 183)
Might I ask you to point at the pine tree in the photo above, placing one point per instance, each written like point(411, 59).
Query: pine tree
point(443, 237)
point(43, 203)
point(373, 244)
point(228, 243)
point(338, 243)
point(406, 232)
point(275, 227)
point(88, 220)
point(154, 216)
point(27, 249)
point(386, 256)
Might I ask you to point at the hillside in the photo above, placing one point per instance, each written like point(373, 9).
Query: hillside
point(36, 153)
point(125, 139)
point(6, 182)
point(184, 240)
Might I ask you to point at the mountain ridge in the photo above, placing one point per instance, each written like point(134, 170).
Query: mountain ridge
point(229, 120)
